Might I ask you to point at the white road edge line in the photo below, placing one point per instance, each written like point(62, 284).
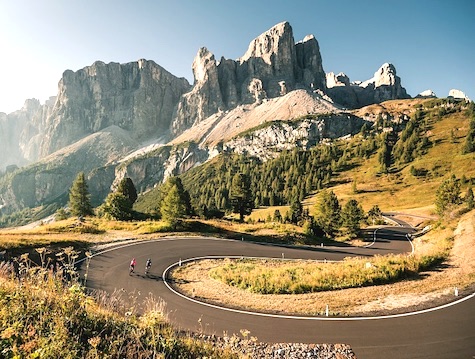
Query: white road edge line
point(374, 239)
point(164, 276)
point(392, 316)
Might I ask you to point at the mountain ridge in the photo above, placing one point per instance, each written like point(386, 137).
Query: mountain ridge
point(276, 79)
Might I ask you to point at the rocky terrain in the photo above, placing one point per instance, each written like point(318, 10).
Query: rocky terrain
point(139, 120)
point(383, 86)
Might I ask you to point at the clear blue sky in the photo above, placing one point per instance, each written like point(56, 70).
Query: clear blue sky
point(431, 42)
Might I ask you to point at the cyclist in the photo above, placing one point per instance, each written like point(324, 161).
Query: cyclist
point(148, 264)
point(133, 263)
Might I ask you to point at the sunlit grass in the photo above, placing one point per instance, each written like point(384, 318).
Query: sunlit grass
point(46, 314)
point(284, 277)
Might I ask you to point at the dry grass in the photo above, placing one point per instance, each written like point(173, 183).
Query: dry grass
point(430, 287)
point(66, 232)
point(45, 315)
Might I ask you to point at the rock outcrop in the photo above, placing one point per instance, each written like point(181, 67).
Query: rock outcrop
point(427, 94)
point(223, 126)
point(269, 141)
point(458, 95)
point(384, 85)
point(272, 66)
point(148, 170)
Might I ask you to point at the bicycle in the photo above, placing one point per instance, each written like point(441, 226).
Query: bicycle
point(147, 266)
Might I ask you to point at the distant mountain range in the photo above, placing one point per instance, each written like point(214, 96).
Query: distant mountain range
point(140, 121)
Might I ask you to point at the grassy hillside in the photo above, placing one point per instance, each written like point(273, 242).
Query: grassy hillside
point(399, 189)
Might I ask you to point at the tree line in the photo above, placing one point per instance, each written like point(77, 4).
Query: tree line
point(239, 183)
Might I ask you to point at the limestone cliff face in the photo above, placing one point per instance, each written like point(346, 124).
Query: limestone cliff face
point(384, 85)
point(11, 129)
point(139, 97)
point(205, 98)
point(20, 133)
point(268, 142)
point(149, 170)
point(310, 67)
point(272, 66)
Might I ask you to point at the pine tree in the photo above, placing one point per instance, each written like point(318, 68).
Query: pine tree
point(172, 206)
point(277, 216)
point(447, 195)
point(329, 213)
point(117, 206)
point(374, 213)
point(469, 200)
point(127, 188)
point(469, 144)
point(184, 196)
point(241, 196)
point(296, 211)
point(352, 215)
point(79, 197)
point(384, 158)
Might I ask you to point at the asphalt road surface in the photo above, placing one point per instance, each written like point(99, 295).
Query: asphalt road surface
point(448, 332)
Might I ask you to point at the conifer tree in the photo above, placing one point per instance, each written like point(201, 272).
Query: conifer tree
point(241, 196)
point(374, 213)
point(329, 213)
point(79, 197)
point(296, 211)
point(469, 144)
point(117, 206)
point(447, 195)
point(352, 215)
point(127, 188)
point(172, 206)
point(469, 200)
point(183, 195)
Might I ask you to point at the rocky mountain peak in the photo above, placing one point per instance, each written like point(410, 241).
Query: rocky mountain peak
point(139, 97)
point(272, 66)
point(427, 93)
point(384, 85)
point(337, 80)
point(203, 63)
point(458, 94)
point(277, 41)
point(386, 75)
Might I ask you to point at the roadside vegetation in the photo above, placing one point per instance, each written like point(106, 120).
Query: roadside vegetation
point(289, 277)
point(46, 314)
